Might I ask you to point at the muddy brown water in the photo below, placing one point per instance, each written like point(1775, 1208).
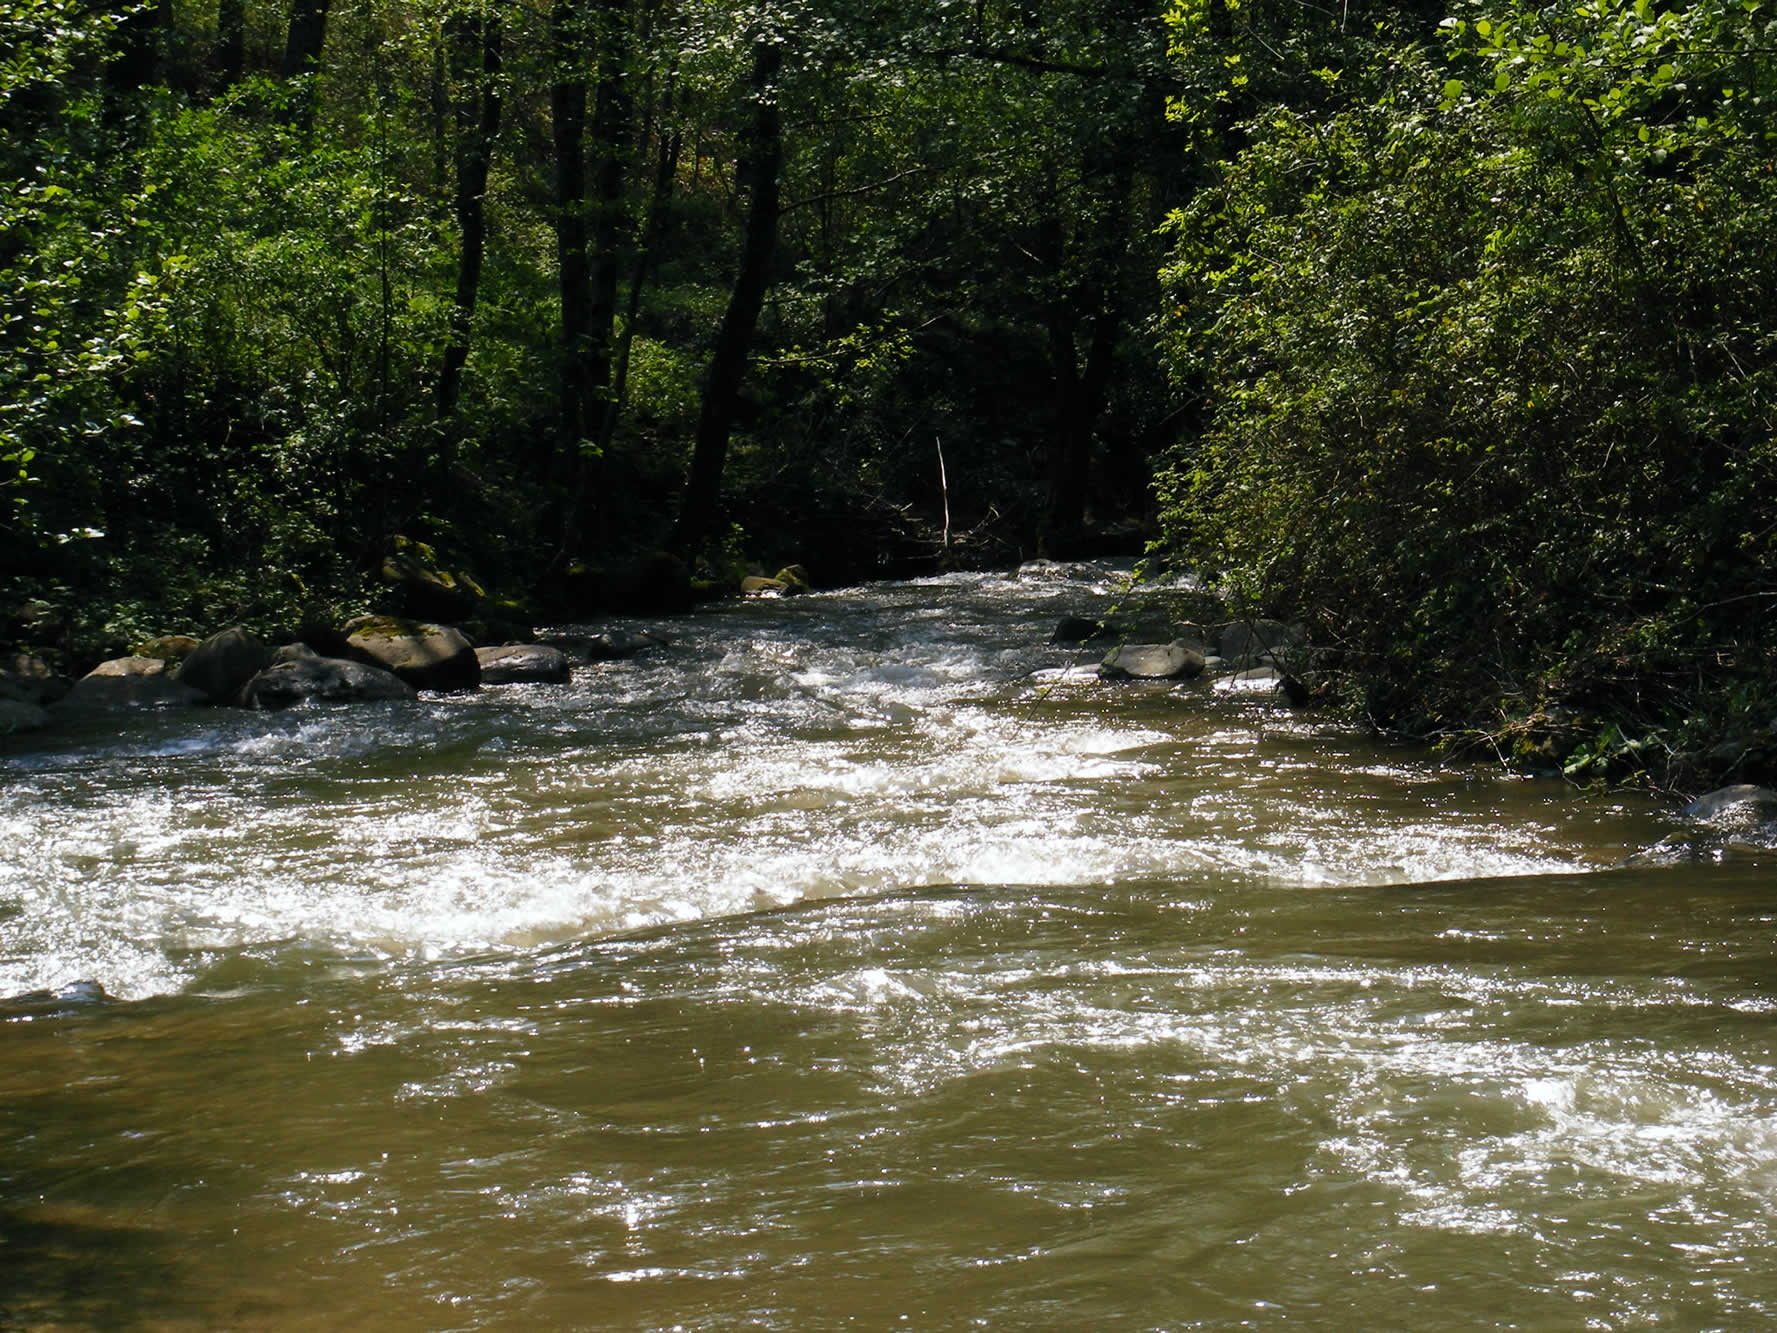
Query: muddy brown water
point(860, 962)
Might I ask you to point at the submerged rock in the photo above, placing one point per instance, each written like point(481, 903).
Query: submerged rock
point(522, 663)
point(71, 998)
point(1248, 642)
point(1177, 660)
point(426, 656)
point(303, 676)
point(1078, 629)
point(28, 679)
point(614, 645)
point(17, 715)
point(1743, 800)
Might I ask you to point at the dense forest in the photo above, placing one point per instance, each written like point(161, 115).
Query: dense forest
point(1446, 331)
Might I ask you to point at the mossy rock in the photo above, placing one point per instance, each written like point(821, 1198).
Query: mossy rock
point(169, 648)
point(427, 656)
point(794, 578)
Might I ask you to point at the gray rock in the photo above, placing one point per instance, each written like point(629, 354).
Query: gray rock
point(426, 656)
point(305, 678)
point(223, 663)
point(1247, 641)
point(1743, 800)
point(17, 715)
point(612, 645)
point(1078, 629)
point(521, 663)
point(73, 997)
point(129, 682)
point(28, 679)
point(1177, 660)
point(1253, 680)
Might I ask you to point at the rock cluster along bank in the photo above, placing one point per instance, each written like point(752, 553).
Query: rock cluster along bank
point(368, 659)
point(1243, 656)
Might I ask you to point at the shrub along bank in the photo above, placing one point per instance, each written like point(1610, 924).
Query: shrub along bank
point(1486, 359)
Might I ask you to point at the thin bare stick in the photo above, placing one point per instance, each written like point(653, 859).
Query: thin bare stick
point(943, 490)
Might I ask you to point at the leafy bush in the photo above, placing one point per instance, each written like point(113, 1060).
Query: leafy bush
point(1491, 378)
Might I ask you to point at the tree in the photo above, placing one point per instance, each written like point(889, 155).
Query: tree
point(474, 45)
point(728, 359)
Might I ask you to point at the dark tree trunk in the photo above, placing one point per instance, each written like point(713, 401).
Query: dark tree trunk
point(135, 57)
point(228, 59)
point(475, 52)
point(567, 105)
point(1081, 389)
point(665, 166)
point(1079, 399)
point(611, 135)
point(728, 361)
point(303, 42)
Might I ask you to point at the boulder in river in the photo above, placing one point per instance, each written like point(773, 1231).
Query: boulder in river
point(426, 656)
point(424, 588)
point(1177, 660)
point(129, 682)
point(17, 715)
point(1246, 642)
point(795, 578)
point(754, 585)
point(523, 663)
point(1741, 801)
point(223, 663)
point(303, 676)
point(1078, 629)
point(28, 679)
point(72, 998)
point(611, 645)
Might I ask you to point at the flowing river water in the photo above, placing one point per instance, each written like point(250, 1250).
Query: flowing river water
point(860, 961)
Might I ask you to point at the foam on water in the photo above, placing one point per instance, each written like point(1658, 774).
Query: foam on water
point(839, 744)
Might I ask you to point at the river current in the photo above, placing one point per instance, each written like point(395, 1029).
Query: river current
point(860, 961)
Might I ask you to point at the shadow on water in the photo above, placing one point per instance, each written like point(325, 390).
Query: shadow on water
point(60, 1268)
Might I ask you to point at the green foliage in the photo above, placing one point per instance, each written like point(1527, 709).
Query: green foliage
point(1490, 357)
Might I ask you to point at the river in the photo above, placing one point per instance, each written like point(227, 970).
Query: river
point(860, 961)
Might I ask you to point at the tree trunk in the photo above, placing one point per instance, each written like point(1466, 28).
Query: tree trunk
point(665, 166)
point(228, 59)
point(473, 41)
point(1080, 390)
point(1079, 399)
point(303, 42)
point(567, 105)
point(728, 361)
point(134, 58)
point(611, 136)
